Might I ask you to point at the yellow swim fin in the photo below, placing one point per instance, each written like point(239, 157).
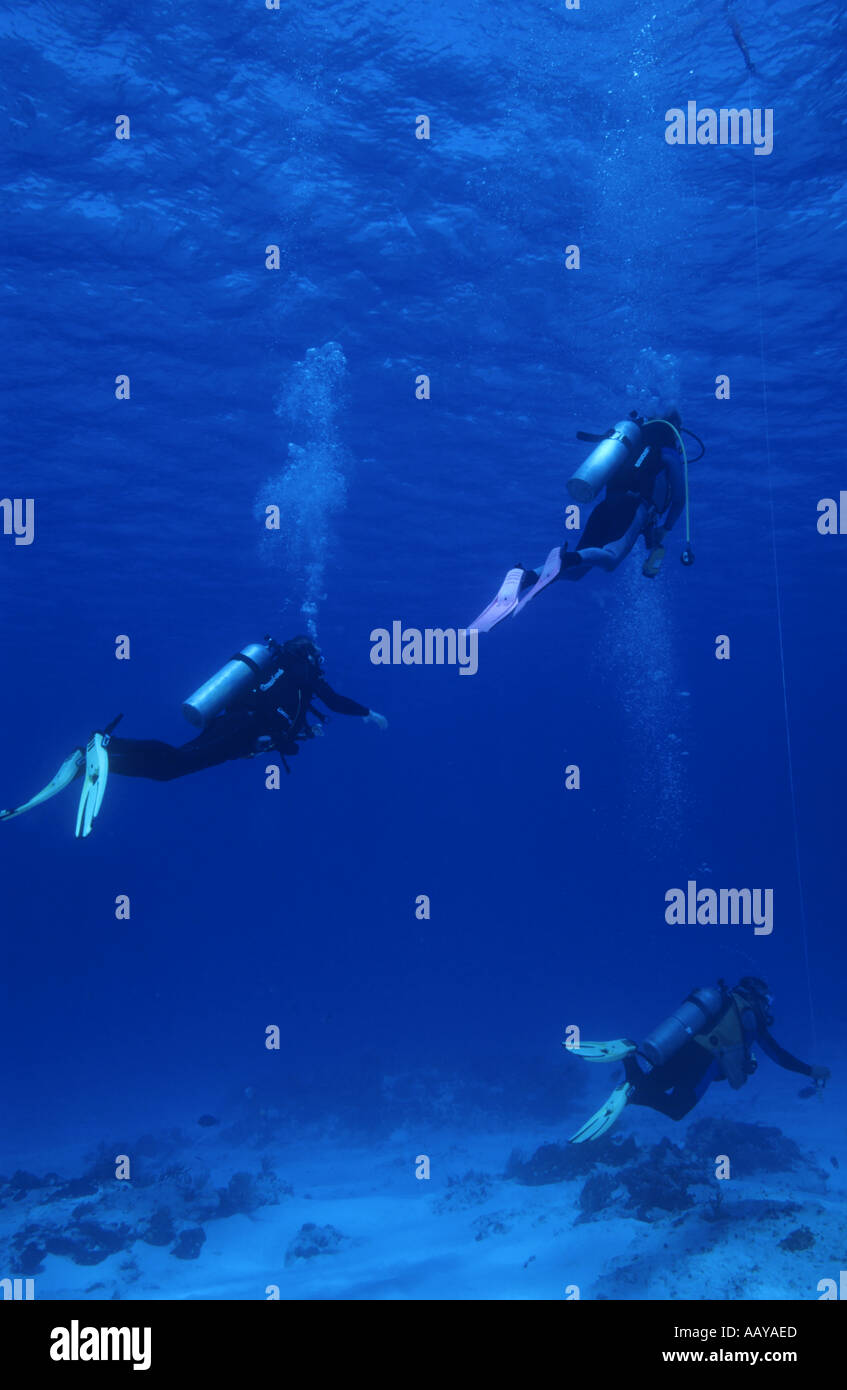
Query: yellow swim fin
point(602, 1051)
point(653, 563)
point(603, 1119)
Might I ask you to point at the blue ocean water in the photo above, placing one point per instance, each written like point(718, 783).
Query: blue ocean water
point(400, 257)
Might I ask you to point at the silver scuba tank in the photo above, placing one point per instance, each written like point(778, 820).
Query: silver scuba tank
point(697, 1013)
point(233, 682)
point(623, 444)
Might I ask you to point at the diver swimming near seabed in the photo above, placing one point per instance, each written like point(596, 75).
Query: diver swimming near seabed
point(643, 467)
point(259, 702)
point(710, 1037)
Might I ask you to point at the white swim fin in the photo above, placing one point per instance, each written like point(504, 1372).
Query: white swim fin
point(70, 769)
point(504, 602)
point(94, 785)
point(552, 569)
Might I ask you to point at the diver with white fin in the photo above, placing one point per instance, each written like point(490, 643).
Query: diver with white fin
point(709, 1038)
point(258, 702)
point(643, 466)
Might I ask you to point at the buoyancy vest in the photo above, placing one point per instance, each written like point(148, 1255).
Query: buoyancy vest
point(728, 1042)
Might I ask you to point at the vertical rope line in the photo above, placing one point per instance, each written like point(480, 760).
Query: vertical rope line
point(779, 623)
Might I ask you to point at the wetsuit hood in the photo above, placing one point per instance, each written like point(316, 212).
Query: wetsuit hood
point(758, 997)
point(303, 658)
point(659, 435)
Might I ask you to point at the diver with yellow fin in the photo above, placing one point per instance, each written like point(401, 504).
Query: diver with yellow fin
point(710, 1037)
point(643, 466)
point(258, 702)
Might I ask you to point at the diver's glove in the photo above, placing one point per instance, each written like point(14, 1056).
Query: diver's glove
point(820, 1075)
point(379, 719)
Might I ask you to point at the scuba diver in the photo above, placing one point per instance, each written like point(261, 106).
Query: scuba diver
point(259, 701)
point(709, 1038)
point(643, 465)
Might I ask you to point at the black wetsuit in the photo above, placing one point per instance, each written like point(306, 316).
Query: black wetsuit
point(278, 713)
point(675, 1087)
